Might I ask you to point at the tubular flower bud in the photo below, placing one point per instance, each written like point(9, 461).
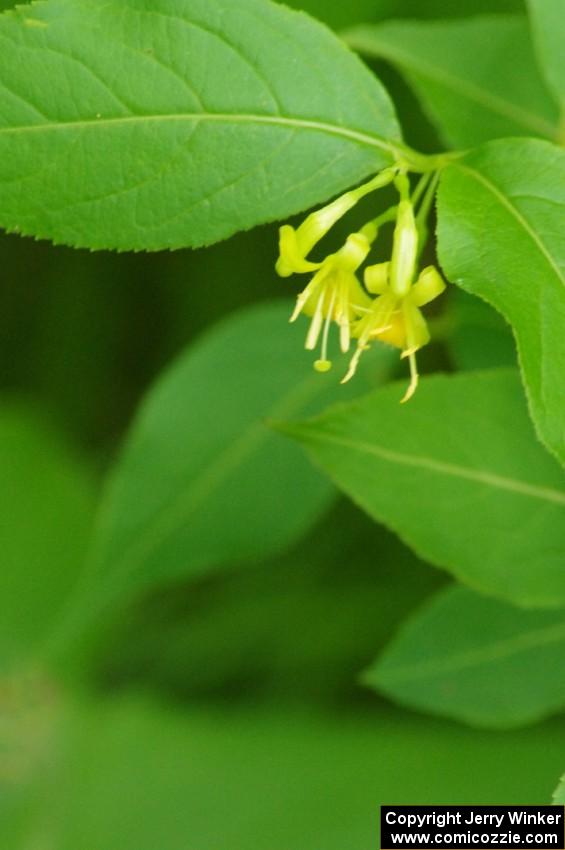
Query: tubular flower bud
point(396, 319)
point(334, 294)
point(404, 250)
point(295, 245)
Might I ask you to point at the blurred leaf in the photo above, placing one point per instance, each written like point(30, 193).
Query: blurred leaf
point(459, 475)
point(301, 626)
point(477, 78)
point(138, 777)
point(500, 229)
point(559, 793)
point(548, 25)
point(164, 154)
point(479, 337)
point(477, 660)
point(335, 13)
point(338, 14)
point(202, 482)
point(441, 9)
point(46, 508)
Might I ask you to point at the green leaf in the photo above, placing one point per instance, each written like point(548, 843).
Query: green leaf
point(477, 660)
point(339, 15)
point(500, 230)
point(137, 124)
point(479, 337)
point(548, 25)
point(202, 481)
point(459, 475)
point(440, 9)
point(137, 776)
point(559, 793)
point(46, 505)
point(477, 78)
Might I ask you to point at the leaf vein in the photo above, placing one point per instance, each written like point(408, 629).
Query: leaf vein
point(495, 651)
point(506, 202)
point(457, 85)
point(361, 138)
point(438, 467)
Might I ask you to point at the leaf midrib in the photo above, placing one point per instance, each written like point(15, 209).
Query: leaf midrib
point(360, 137)
point(438, 467)
point(506, 202)
point(496, 651)
point(493, 103)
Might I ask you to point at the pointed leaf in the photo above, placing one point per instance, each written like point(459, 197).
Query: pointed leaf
point(501, 236)
point(137, 124)
point(477, 78)
point(459, 475)
point(202, 481)
point(477, 660)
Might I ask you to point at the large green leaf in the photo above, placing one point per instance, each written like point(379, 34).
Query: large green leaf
point(141, 777)
point(459, 475)
point(501, 237)
point(548, 24)
point(202, 481)
point(477, 660)
point(477, 78)
point(440, 9)
point(46, 510)
point(339, 15)
point(145, 124)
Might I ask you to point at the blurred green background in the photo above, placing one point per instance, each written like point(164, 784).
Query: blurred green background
point(226, 712)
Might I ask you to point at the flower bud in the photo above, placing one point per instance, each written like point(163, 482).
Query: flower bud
point(404, 250)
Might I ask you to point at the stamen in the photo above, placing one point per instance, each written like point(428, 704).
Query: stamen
point(344, 335)
point(315, 324)
point(381, 330)
point(362, 346)
point(322, 365)
point(353, 363)
point(411, 354)
point(408, 352)
point(300, 302)
point(327, 325)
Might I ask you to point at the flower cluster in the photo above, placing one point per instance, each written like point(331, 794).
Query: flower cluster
point(388, 309)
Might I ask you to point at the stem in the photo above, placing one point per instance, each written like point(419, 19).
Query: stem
point(382, 179)
point(422, 163)
point(424, 211)
point(421, 188)
point(427, 200)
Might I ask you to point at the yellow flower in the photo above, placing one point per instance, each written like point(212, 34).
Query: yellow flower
point(335, 294)
point(396, 319)
point(295, 245)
